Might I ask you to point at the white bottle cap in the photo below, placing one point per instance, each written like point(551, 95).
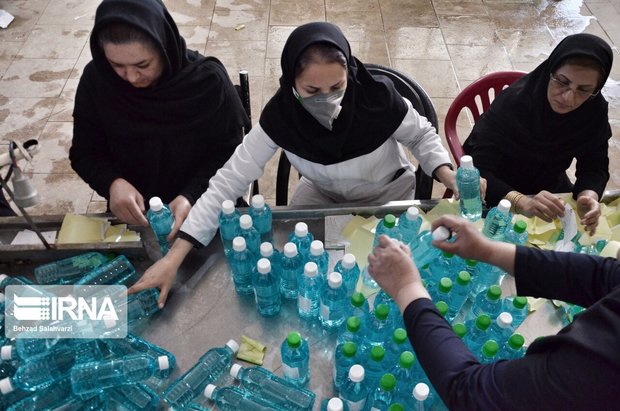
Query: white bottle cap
point(233, 345)
point(6, 352)
point(266, 249)
point(163, 362)
point(239, 243)
point(421, 391)
point(301, 229)
point(209, 390)
point(504, 320)
point(334, 280)
point(6, 386)
point(311, 269)
point(258, 201)
point(356, 373)
point(290, 250)
point(348, 261)
point(335, 404)
point(245, 221)
point(234, 370)
point(467, 162)
point(155, 204)
point(228, 207)
point(504, 206)
point(263, 266)
point(441, 233)
point(412, 213)
point(3, 277)
point(316, 247)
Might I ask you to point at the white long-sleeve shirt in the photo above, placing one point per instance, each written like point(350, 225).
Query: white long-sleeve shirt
point(350, 179)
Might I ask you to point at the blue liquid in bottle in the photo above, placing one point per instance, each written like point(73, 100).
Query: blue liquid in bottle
point(460, 291)
point(388, 227)
point(394, 347)
point(49, 397)
point(262, 218)
point(517, 234)
point(274, 256)
point(497, 221)
point(320, 257)
point(241, 262)
point(381, 397)
point(518, 308)
point(68, 270)
point(134, 397)
point(354, 332)
point(380, 325)
point(345, 356)
point(405, 374)
point(161, 220)
point(333, 302)
point(468, 184)
point(142, 305)
point(266, 289)
point(350, 272)
point(250, 234)
point(234, 398)
point(502, 328)
point(488, 352)
point(409, 224)
point(513, 348)
point(477, 332)
point(421, 248)
point(295, 359)
point(133, 344)
point(359, 307)
point(355, 389)
point(487, 302)
point(268, 386)
point(302, 238)
point(229, 224)
point(375, 366)
point(333, 404)
point(292, 269)
point(309, 296)
point(117, 271)
point(208, 369)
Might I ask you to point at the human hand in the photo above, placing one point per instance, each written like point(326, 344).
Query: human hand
point(544, 205)
point(126, 203)
point(180, 208)
point(589, 211)
point(390, 264)
point(483, 188)
point(447, 176)
point(467, 242)
point(160, 275)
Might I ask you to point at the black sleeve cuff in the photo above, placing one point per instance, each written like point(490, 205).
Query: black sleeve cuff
point(187, 237)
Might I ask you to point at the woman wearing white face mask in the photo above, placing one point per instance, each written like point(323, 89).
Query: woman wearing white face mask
point(340, 127)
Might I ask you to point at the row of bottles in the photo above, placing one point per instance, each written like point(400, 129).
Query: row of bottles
point(255, 227)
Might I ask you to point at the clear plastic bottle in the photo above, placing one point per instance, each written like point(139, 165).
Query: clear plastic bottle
point(443, 291)
point(333, 302)
point(488, 352)
point(229, 224)
point(497, 221)
point(161, 220)
point(117, 271)
point(47, 398)
point(68, 270)
point(460, 329)
point(477, 332)
point(518, 307)
point(241, 263)
point(388, 227)
point(268, 386)
point(367, 279)
point(6, 280)
point(24, 348)
point(345, 355)
point(442, 307)
point(274, 256)
point(91, 377)
point(235, 399)
point(295, 359)
point(405, 373)
point(396, 346)
point(446, 265)
point(250, 234)
point(421, 397)
point(302, 238)
point(375, 366)
point(309, 294)
point(459, 294)
point(502, 328)
point(422, 249)
point(381, 398)
point(333, 404)
point(486, 276)
point(355, 389)
point(320, 257)
point(134, 397)
point(208, 369)
point(487, 302)
point(517, 234)
point(359, 307)
point(350, 271)
point(142, 305)
point(468, 184)
point(262, 217)
point(513, 348)
point(266, 289)
point(354, 332)
point(380, 325)
point(409, 224)
point(292, 269)
point(133, 344)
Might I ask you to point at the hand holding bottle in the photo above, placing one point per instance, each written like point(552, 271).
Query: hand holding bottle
point(543, 205)
point(180, 207)
point(126, 203)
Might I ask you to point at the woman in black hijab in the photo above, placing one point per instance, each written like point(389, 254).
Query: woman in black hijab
point(534, 129)
point(340, 127)
point(151, 118)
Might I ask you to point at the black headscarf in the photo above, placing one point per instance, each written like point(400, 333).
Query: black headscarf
point(371, 111)
point(166, 139)
point(521, 125)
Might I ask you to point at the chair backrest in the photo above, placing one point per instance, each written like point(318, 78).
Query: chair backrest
point(476, 93)
point(420, 100)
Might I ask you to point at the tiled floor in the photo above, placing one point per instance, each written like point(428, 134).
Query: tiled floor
point(443, 44)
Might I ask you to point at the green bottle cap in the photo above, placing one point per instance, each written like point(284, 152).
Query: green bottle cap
point(520, 227)
point(446, 254)
point(406, 359)
point(293, 339)
point(357, 299)
point(399, 336)
point(519, 302)
point(490, 349)
point(349, 349)
point(396, 407)
point(353, 324)
point(389, 220)
point(471, 263)
point(463, 278)
point(516, 341)
point(483, 322)
point(442, 307)
point(494, 293)
point(459, 329)
point(445, 285)
point(382, 311)
point(377, 353)
point(387, 382)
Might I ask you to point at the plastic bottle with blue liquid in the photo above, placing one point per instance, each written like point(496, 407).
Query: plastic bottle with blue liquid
point(309, 293)
point(250, 234)
point(502, 328)
point(241, 263)
point(486, 276)
point(229, 224)
point(513, 348)
point(382, 396)
point(487, 302)
point(395, 346)
point(442, 291)
point(375, 366)
point(274, 256)
point(518, 307)
point(142, 305)
point(468, 184)
point(233, 398)
point(51, 396)
point(350, 271)
point(292, 268)
point(497, 221)
point(333, 306)
point(355, 390)
point(295, 359)
point(133, 397)
point(134, 344)
point(302, 238)
point(266, 289)
point(459, 294)
point(354, 332)
point(68, 270)
point(422, 249)
point(359, 307)
point(262, 217)
point(477, 332)
point(380, 325)
point(388, 227)
point(517, 234)
point(117, 271)
point(345, 356)
point(161, 221)
point(320, 257)
point(488, 353)
point(405, 374)
point(333, 404)
point(409, 224)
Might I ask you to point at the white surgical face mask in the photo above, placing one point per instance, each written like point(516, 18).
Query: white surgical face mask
point(323, 107)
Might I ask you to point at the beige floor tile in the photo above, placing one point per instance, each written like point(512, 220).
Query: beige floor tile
point(351, 5)
point(515, 16)
point(82, 61)
point(527, 45)
point(276, 38)
point(562, 10)
point(26, 13)
point(55, 42)
point(63, 110)
point(472, 62)
point(8, 51)
point(23, 118)
point(459, 7)
point(435, 76)
point(417, 43)
point(60, 194)
point(408, 13)
point(564, 27)
point(191, 12)
point(468, 30)
point(69, 12)
point(243, 4)
point(608, 16)
point(293, 12)
point(359, 25)
point(239, 55)
point(195, 37)
point(36, 77)
point(239, 24)
point(53, 154)
point(371, 52)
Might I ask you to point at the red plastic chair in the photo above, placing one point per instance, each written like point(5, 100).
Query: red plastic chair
point(478, 90)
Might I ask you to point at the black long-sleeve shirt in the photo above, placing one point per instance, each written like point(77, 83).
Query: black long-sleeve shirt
point(577, 369)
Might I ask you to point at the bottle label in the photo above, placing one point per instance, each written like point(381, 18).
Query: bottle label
point(356, 405)
point(324, 311)
point(304, 304)
point(290, 372)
